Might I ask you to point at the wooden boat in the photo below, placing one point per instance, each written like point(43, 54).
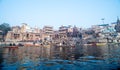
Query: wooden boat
point(31, 45)
point(14, 47)
point(95, 44)
point(37, 45)
point(100, 44)
point(28, 45)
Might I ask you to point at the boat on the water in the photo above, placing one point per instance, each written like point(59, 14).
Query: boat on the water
point(14, 45)
point(31, 45)
point(95, 44)
point(11, 47)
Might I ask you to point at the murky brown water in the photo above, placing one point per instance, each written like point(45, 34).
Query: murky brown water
point(61, 58)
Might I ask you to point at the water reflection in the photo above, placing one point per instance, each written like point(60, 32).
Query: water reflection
point(61, 58)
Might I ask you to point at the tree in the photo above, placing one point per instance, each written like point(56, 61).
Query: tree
point(5, 27)
point(117, 26)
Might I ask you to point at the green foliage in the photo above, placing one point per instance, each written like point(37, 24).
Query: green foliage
point(5, 27)
point(117, 26)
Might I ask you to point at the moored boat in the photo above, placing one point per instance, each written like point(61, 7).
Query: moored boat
point(11, 47)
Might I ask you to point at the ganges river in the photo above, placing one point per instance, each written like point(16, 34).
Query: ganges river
point(105, 57)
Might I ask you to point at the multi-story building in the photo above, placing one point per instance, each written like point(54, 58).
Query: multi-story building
point(25, 28)
point(96, 28)
point(63, 31)
point(14, 34)
point(24, 33)
point(48, 30)
point(47, 33)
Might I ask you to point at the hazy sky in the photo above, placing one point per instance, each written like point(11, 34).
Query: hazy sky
point(82, 13)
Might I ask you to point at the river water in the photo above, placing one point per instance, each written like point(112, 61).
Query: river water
point(61, 58)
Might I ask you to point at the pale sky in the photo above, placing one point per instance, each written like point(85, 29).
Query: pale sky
point(82, 13)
